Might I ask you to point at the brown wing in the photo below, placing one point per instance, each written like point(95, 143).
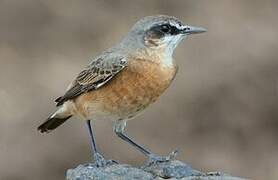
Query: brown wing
point(99, 72)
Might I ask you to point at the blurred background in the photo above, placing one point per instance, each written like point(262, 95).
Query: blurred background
point(221, 111)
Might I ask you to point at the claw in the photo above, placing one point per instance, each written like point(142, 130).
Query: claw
point(101, 162)
point(154, 159)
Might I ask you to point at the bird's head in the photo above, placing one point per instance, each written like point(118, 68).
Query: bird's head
point(161, 32)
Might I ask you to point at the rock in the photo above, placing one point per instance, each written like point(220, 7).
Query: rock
point(167, 170)
point(176, 169)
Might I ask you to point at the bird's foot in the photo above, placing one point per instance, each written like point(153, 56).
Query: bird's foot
point(101, 162)
point(154, 159)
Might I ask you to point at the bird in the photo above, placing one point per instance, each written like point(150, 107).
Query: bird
point(123, 80)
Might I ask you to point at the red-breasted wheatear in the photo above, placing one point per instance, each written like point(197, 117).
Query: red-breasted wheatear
point(125, 79)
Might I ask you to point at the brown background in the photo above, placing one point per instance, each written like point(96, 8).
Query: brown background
point(221, 111)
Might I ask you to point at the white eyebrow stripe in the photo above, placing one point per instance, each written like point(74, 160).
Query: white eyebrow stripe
point(177, 25)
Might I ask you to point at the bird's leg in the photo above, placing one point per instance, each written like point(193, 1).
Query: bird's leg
point(152, 158)
point(99, 159)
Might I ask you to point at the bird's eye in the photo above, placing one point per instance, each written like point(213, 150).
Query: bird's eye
point(166, 28)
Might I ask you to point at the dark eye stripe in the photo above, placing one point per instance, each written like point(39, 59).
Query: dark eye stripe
point(168, 29)
point(161, 30)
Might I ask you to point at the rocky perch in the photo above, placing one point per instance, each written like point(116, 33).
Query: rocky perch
point(167, 170)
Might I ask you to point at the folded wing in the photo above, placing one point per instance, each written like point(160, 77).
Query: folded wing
point(98, 73)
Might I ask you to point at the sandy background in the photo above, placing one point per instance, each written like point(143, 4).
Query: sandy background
point(221, 111)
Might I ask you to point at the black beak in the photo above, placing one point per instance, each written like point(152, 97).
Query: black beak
point(192, 30)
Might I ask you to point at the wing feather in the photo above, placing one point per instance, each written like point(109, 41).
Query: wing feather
point(98, 73)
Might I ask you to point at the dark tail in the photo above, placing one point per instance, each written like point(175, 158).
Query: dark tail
point(51, 123)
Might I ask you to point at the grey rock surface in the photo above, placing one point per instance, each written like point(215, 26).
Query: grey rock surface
point(167, 170)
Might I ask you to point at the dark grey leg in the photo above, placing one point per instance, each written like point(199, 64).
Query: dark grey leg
point(93, 142)
point(130, 141)
point(152, 158)
point(99, 159)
